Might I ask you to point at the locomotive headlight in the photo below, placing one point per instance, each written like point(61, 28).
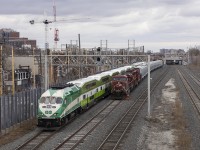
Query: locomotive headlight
point(55, 114)
point(40, 114)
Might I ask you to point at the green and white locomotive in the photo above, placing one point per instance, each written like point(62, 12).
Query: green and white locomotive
point(58, 104)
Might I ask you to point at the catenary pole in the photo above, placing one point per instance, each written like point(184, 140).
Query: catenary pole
point(149, 113)
point(13, 73)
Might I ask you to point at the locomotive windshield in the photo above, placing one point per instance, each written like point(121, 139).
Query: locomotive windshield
point(59, 100)
point(51, 100)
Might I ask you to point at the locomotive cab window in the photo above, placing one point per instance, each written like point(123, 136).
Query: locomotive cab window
point(59, 100)
point(53, 100)
point(42, 100)
point(47, 100)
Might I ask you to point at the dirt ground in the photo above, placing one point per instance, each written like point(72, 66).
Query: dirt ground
point(18, 132)
point(166, 129)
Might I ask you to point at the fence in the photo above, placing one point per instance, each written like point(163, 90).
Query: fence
point(18, 107)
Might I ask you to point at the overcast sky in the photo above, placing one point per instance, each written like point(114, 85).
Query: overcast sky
point(155, 24)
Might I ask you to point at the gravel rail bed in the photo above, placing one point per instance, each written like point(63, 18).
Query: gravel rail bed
point(23, 139)
point(190, 115)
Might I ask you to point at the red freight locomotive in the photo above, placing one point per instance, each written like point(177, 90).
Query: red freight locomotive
point(122, 84)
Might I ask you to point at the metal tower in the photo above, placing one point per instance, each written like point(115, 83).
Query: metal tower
point(1, 72)
point(56, 31)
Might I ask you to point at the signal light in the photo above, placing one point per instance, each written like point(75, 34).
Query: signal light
point(99, 49)
point(48, 51)
point(98, 58)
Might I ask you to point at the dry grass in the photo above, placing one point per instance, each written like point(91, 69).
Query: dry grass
point(193, 67)
point(183, 141)
point(18, 132)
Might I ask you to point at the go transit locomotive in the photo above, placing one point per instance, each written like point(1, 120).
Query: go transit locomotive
point(57, 104)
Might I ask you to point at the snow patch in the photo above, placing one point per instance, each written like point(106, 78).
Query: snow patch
point(158, 135)
point(169, 93)
point(161, 140)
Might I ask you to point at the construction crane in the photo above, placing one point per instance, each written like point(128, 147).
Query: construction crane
point(46, 22)
point(56, 31)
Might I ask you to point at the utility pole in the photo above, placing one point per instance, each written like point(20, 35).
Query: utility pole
point(189, 56)
point(149, 113)
point(46, 77)
point(1, 71)
point(33, 67)
point(13, 73)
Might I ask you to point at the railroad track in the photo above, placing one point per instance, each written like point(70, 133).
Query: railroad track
point(195, 79)
point(37, 140)
point(41, 137)
point(114, 138)
point(78, 136)
point(191, 91)
point(192, 76)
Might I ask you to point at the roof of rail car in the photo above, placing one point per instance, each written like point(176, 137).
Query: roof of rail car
point(59, 92)
point(127, 67)
point(98, 76)
point(120, 69)
point(139, 64)
point(82, 81)
point(142, 66)
point(110, 72)
point(156, 61)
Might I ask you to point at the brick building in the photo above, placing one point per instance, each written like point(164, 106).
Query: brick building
point(11, 37)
